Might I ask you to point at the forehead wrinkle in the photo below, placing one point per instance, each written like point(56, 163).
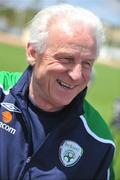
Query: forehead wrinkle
point(70, 36)
point(78, 48)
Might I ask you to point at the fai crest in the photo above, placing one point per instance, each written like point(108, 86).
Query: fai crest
point(70, 153)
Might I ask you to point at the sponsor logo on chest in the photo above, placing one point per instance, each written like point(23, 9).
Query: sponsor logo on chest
point(7, 117)
point(7, 128)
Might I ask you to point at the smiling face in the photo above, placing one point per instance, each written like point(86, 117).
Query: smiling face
point(64, 69)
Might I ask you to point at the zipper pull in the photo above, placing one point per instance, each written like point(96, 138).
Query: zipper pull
point(28, 160)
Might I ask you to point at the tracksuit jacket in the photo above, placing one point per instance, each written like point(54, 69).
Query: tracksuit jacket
point(79, 147)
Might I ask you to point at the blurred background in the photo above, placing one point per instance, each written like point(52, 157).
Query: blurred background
point(104, 91)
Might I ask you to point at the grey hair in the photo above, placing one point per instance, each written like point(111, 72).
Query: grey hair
point(39, 27)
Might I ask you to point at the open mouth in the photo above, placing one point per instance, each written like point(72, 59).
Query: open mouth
point(65, 85)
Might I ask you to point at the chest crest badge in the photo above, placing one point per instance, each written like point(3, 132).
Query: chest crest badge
point(70, 153)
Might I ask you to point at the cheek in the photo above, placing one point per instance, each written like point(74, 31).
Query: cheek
point(56, 70)
point(86, 75)
point(40, 73)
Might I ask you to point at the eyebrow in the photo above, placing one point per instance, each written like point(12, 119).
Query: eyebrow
point(64, 54)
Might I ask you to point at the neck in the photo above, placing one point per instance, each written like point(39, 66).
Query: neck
point(40, 101)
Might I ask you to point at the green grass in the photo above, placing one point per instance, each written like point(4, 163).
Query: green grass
point(105, 88)
point(12, 58)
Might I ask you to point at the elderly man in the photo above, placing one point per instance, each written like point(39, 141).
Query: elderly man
point(48, 130)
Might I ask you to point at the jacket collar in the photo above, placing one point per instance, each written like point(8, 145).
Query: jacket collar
point(22, 85)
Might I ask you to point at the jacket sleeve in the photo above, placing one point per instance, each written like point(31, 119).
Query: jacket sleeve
point(100, 128)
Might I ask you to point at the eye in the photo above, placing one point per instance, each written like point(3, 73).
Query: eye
point(87, 64)
point(66, 60)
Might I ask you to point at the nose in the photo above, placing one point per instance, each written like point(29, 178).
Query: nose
point(75, 72)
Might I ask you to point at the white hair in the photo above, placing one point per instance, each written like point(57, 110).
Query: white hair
point(39, 26)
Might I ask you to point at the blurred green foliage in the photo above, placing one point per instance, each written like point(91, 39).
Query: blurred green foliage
point(10, 15)
point(17, 17)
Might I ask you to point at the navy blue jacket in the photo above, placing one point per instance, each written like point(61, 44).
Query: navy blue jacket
point(80, 147)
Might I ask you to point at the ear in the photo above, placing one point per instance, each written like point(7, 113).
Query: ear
point(31, 54)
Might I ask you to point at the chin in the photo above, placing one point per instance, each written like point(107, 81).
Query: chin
point(64, 102)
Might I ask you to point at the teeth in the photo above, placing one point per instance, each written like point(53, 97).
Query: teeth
point(64, 84)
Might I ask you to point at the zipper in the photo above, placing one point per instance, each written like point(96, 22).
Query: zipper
point(24, 169)
point(27, 126)
point(30, 159)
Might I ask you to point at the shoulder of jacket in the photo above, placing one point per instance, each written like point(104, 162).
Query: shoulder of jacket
point(8, 79)
point(95, 122)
